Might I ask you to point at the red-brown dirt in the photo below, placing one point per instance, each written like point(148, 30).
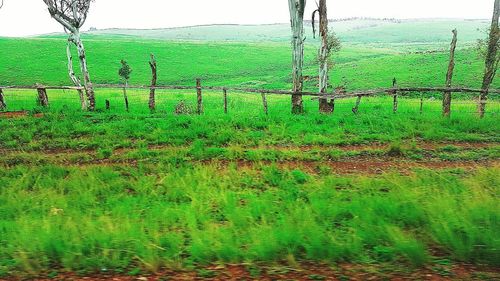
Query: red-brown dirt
point(308, 271)
point(19, 114)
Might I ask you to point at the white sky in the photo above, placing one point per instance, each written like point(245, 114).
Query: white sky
point(29, 17)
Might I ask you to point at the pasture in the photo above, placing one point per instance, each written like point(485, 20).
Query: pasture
point(167, 196)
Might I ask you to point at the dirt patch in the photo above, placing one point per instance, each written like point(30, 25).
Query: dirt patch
point(19, 114)
point(308, 271)
point(364, 165)
point(429, 146)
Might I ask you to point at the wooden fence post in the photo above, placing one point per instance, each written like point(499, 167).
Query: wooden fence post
point(43, 99)
point(225, 100)
point(152, 101)
point(395, 96)
point(107, 105)
point(125, 95)
point(199, 96)
point(355, 110)
point(3, 105)
point(264, 102)
point(421, 103)
point(449, 76)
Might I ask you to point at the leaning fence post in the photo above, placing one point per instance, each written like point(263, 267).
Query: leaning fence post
point(355, 110)
point(43, 99)
point(264, 102)
point(3, 105)
point(200, 98)
point(395, 96)
point(449, 76)
point(152, 101)
point(224, 90)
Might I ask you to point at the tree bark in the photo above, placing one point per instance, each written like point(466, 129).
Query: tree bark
point(324, 105)
point(297, 8)
point(152, 101)
point(3, 105)
point(74, 78)
point(449, 76)
point(492, 59)
point(89, 89)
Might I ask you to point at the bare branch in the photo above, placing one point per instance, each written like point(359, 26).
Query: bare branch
point(69, 13)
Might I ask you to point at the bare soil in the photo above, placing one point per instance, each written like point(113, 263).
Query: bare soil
point(19, 114)
point(305, 271)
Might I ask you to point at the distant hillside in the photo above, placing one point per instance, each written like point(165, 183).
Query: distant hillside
point(380, 31)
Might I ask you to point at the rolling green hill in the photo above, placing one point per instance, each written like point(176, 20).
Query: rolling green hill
point(374, 51)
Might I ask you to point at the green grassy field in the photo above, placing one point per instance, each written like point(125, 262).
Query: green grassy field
point(128, 194)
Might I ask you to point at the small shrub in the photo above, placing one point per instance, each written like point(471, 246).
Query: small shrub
point(184, 109)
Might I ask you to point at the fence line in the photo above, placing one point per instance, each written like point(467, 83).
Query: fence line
point(268, 91)
point(394, 91)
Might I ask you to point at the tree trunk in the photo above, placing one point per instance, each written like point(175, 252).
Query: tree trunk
point(324, 105)
point(152, 102)
point(449, 76)
point(89, 89)
point(297, 23)
point(491, 59)
point(3, 105)
point(72, 76)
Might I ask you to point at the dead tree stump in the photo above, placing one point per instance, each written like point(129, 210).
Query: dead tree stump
point(199, 109)
point(43, 99)
point(449, 76)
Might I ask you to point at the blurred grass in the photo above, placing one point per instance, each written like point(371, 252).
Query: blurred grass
point(96, 219)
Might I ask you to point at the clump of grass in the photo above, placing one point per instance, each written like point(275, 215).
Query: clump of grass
point(396, 150)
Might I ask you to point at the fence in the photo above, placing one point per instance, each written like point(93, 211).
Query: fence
point(219, 100)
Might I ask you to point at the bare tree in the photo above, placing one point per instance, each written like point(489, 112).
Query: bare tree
point(72, 14)
point(492, 58)
point(297, 8)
